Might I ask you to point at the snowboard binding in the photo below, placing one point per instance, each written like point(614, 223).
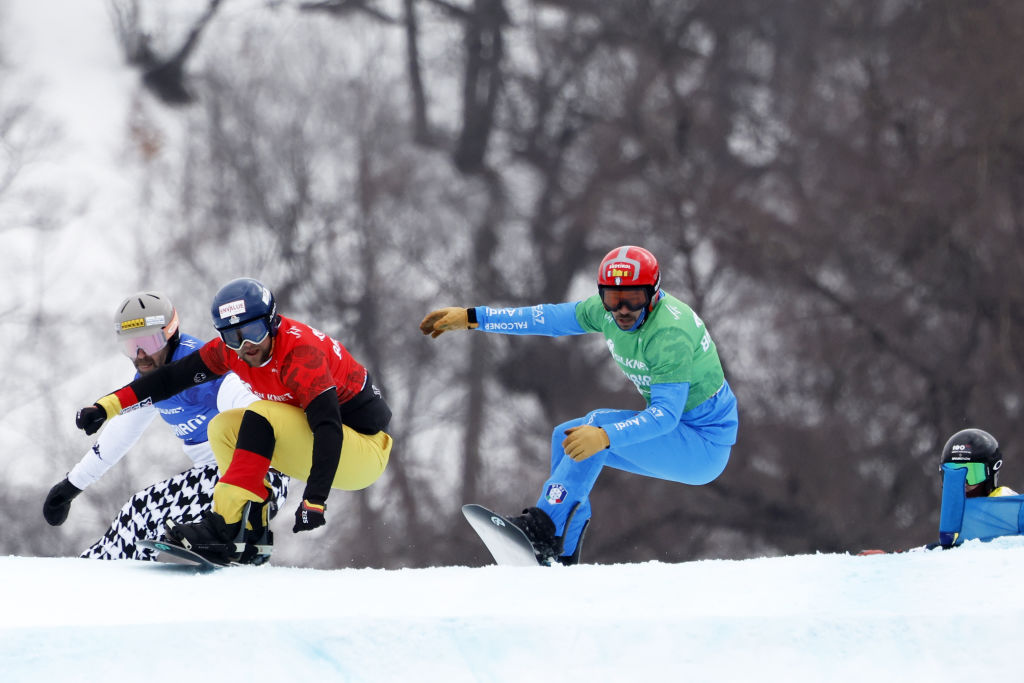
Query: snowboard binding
point(247, 541)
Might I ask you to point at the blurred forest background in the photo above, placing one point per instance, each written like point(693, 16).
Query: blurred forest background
point(836, 187)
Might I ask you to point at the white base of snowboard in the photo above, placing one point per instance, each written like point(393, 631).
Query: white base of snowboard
point(506, 542)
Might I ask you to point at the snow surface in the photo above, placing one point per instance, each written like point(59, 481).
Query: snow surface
point(918, 616)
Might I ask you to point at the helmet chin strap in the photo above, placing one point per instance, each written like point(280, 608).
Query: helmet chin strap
point(639, 321)
point(172, 344)
point(654, 300)
point(649, 309)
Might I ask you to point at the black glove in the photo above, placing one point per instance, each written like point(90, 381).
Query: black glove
point(91, 418)
point(309, 516)
point(58, 502)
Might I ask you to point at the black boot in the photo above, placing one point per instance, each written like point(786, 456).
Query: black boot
point(211, 537)
point(575, 557)
point(259, 539)
point(539, 528)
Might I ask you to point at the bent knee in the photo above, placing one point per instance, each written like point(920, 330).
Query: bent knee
point(225, 423)
point(222, 434)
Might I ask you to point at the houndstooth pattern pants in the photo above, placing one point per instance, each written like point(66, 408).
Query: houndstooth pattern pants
point(181, 498)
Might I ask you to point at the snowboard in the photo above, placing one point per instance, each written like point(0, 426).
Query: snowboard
point(506, 542)
point(175, 554)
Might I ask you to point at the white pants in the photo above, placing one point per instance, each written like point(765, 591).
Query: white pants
point(181, 498)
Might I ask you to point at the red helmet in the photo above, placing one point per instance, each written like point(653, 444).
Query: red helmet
point(629, 267)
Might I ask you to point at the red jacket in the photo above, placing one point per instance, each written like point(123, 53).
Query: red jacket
point(303, 363)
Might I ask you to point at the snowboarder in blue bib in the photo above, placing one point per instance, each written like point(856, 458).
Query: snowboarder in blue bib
point(146, 327)
point(688, 428)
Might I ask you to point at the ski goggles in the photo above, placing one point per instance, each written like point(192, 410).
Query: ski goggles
point(148, 344)
point(977, 472)
point(633, 298)
point(253, 331)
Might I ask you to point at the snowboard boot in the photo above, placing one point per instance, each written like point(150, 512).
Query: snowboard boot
point(211, 537)
point(575, 557)
point(259, 539)
point(539, 528)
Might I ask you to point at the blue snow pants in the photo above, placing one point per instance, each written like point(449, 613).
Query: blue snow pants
point(685, 455)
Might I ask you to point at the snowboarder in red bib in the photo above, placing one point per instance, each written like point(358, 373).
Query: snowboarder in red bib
point(321, 420)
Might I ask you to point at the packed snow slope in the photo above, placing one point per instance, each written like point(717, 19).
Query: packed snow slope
point(932, 616)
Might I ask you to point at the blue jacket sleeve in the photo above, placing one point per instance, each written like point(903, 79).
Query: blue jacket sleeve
point(551, 320)
point(951, 514)
point(660, 417)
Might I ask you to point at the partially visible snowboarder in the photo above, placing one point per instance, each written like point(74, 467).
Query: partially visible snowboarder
point(974, 505)
point(321, 420)
point(981, 508)
point(685, 434)
point(146, 327)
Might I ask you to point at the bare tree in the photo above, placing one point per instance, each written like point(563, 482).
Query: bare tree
point(164, 75)
point(817, 180)
point(873, 220)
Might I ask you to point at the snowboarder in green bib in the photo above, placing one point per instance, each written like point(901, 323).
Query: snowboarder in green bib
point(688, 428)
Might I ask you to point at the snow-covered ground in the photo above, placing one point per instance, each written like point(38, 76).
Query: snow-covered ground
point(919, 616)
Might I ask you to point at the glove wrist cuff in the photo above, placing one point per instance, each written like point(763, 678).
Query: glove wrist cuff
point(315, 502)
point(110, 404)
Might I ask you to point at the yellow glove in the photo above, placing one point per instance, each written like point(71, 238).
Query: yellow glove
point(584, 441)
point(444, 319)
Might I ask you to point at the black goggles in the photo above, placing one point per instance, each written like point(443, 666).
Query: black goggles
point(253, 331)
point(633, 298)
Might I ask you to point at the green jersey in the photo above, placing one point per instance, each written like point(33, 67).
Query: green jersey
point(672, 346)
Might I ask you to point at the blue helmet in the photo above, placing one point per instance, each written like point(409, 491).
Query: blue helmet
point(244, 310)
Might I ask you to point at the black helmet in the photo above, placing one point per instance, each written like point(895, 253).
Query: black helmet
point(244, 310)
point(977, 451)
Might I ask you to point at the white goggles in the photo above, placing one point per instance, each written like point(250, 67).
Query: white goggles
point(148, 344)
point(133, 337)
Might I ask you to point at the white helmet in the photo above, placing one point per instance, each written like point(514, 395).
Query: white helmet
point(146, 321)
